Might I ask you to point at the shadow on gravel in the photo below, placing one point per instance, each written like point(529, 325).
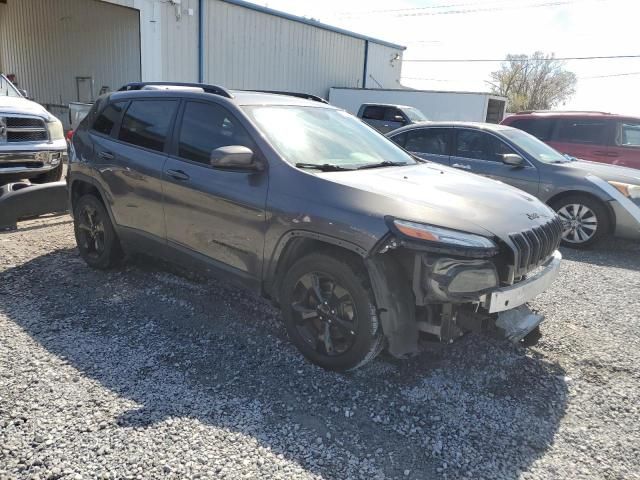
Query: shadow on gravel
point(612, 252)
point(185, 349)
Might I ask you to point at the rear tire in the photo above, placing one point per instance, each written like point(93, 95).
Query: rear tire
point(329, 312)
point(96, 238)
point(52, 176)
point(586, 220)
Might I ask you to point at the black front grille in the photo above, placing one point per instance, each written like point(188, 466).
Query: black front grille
point(22, 136)
point(532, 248)
point(17, 122)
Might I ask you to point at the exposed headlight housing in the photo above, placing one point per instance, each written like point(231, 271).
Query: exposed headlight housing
point(55, 130)
point(443, 238)
point(628, 190)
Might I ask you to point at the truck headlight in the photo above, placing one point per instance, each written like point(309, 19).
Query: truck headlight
point(628, 190)
point(55, 130)
point(442, 236)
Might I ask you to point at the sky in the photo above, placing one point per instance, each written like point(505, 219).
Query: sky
point(491, 29)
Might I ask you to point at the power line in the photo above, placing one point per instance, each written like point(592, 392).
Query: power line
point(465, 79)
point(609, 76)
point(477, 60)
point(455, 9)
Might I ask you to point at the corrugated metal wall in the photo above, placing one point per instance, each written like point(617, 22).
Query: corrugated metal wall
point(48, 43)
point(384, 70)
point(248, 49)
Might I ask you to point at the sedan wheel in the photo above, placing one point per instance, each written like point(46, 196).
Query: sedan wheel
point(580, 223)
point(585, 220)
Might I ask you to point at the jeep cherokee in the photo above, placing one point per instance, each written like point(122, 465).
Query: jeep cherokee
point(360, 244)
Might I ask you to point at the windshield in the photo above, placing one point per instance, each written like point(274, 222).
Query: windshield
point(534, 147)
point(414, 114)
point(7, 89)
point(321, 136)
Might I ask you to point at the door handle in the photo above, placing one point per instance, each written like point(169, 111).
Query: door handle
point(463, 167)
point(105, 155)
point(178, 175)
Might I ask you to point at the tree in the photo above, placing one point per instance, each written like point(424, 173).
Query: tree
point(536, 82)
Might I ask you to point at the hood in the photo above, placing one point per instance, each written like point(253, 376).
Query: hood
point(604, 171)
point(22, 106)
point(449, 198)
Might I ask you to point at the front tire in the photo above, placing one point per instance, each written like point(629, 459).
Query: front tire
point(96, 238)
point(585, 220)
point(329, 312)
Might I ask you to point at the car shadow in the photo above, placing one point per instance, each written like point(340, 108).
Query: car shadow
point(185, 348)
point(610, 252)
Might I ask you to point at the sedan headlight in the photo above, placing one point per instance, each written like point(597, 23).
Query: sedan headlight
point(54, 127)
point(443, 236)
point(628, 190)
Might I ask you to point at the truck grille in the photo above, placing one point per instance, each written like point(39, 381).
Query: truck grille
point(532, 248)
point(18, 129)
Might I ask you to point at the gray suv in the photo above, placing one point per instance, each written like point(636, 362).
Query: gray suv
point(360, 244)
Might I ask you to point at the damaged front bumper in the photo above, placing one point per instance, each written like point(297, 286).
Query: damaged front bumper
point(507, 298)
point(446, 296)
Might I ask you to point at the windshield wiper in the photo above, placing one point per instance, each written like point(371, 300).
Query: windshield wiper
point(386, 163)
point(324, 167)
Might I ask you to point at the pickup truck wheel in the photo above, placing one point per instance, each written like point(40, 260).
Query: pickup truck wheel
point(97, 240)
point(585, 220)
point(52, 176)
point(330, 314)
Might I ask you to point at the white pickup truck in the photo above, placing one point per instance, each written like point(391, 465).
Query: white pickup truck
point(32, 143)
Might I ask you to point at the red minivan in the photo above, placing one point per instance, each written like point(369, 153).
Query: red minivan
point(596, 136)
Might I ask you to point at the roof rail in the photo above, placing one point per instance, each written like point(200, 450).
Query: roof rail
point(306, 96)
point(214, 89)
point(562, 111)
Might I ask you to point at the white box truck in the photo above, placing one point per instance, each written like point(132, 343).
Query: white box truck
point(435, 105)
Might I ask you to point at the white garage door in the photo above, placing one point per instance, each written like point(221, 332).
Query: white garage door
point(63, 51)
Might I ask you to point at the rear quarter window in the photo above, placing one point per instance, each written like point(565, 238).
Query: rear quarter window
point(538, 127)
point(146, 123)
point(105, 121)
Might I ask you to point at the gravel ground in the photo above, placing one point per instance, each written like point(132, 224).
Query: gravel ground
point(144, 373)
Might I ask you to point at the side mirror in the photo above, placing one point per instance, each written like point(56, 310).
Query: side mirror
point(512, 159)
point(399, 118)
point(24, 93)
point(233, 156)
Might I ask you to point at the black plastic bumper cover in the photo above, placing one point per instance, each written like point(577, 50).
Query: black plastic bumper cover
point(31, 201)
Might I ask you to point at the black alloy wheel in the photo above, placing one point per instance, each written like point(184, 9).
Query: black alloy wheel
point(325, 314)
point(329, 312)
point(95, 236)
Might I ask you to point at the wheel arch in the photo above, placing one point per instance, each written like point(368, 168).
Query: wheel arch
point(82, 185)
point(295, 245)
point(607, 206)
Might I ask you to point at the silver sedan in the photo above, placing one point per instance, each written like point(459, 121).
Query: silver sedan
point(593, 199)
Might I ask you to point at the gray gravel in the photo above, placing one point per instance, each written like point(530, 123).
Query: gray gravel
point(144, 373)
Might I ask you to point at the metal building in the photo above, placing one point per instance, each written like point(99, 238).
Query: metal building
point(62, 51)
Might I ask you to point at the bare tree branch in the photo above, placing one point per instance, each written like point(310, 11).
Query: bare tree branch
point(533, 82)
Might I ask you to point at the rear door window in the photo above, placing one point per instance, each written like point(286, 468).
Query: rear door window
point(429, 140)
point(584, 131)
point(146, 123)
point(205, 127)
point(538, 127)
point(473, 144)
point(373, 112)
point(108, 118)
